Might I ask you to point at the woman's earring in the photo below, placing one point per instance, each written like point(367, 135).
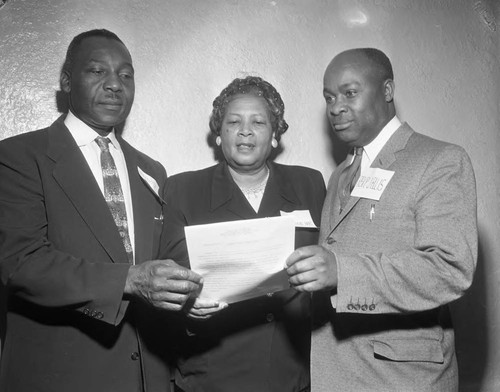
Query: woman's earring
point(274, 143)
point(218, 140)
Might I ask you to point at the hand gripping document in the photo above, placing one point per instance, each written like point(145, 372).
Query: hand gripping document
point(241, 259)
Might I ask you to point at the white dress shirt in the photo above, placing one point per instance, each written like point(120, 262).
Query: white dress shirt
point(371, 150)
point(85, 139)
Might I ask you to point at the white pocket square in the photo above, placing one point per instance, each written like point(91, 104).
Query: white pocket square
point(150, 181)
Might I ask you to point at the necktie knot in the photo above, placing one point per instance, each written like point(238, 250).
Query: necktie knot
point(103, 143)
point(358, 151)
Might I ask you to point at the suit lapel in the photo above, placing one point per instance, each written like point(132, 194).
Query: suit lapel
point(73, 175)
point(279, 194)
point(385, 158)
point(225, 193)
point(143, 211)
point(397, 142)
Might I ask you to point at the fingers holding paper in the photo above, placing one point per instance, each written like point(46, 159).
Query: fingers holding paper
point(163, 284)
point(312, 268)
point(203, 308)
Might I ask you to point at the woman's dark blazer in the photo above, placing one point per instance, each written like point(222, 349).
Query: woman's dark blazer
point(260, 344)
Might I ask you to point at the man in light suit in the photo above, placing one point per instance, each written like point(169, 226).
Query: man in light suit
point(396, 246)
point(87, 301)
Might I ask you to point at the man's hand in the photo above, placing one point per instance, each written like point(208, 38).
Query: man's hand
point(203, 309)
point(312, 268)
point(163, 283)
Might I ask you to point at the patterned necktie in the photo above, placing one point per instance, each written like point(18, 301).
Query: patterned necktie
point(349, 180)
point(113, 194)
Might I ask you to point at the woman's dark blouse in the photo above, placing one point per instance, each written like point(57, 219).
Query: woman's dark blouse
point(261, 344)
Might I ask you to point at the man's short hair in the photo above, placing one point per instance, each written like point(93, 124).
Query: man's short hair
point(380, 60)
point(75, 43)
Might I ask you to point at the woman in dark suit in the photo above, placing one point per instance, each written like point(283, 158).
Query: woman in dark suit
point(261, 344)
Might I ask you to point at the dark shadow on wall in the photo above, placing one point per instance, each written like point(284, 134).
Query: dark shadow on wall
point(3, 314)
point(470, 317)
point(62, 101)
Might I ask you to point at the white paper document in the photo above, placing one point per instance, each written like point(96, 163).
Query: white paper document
point(241, 259)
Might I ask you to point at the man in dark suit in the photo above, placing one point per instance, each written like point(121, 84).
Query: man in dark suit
point(80, 222)
point(395, 247)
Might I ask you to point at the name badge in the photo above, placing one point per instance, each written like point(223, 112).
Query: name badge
point(302, 218)
point(372, 183)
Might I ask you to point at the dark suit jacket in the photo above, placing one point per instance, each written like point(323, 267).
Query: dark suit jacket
point(64, 268)
point(257, 345)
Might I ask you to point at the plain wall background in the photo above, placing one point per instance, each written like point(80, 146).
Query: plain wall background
point(445, 55)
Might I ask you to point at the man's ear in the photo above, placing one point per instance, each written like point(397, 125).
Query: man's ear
point(65, 81)
point(389, 90)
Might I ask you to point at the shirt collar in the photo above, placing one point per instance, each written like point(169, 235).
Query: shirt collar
point(371, 150)
point(83, 134)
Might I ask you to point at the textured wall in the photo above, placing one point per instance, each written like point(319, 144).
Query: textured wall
point(445, 54)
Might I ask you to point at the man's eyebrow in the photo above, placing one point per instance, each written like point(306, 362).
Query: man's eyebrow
point(342, 86)
point(350, 84)
point(93, 60)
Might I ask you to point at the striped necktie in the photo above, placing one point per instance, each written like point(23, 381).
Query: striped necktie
point(113, 194)
point(351, 176)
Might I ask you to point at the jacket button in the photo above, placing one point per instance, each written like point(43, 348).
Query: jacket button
point(134, 356)
point(364, 307)
point(372, 307)
point(99, 315)
point(330, 241)
point(270, 317)
point(350, 307)
point(269, 294)
point(86, 311)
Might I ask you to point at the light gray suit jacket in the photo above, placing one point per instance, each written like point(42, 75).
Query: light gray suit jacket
point(387, 326)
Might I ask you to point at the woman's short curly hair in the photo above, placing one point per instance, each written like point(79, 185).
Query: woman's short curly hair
point(250, 85)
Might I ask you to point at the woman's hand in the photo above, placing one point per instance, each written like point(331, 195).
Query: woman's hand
point(203, 309)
